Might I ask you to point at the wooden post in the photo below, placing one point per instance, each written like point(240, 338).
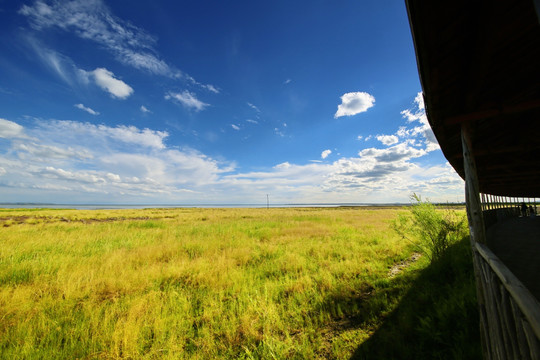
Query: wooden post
point(474, 209)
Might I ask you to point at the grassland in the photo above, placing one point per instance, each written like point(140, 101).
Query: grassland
point(204, 283)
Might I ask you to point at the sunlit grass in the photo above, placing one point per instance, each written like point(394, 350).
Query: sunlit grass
point(196, 283)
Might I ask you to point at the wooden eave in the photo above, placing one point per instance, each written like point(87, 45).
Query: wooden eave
point(479, 65)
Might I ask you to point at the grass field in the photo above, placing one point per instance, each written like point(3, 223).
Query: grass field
point(213, 283)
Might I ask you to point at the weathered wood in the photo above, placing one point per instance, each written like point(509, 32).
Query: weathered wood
point(471, 182)
point(534, 347)
point(510, 322)
point(527, 303)
point(523, 345)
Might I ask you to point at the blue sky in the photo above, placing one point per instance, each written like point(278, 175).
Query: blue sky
point(213, 102)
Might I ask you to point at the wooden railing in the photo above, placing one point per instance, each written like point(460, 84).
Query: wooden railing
point(509, 313)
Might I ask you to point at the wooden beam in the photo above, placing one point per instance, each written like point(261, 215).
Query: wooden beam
point(490, 113)
point(474, 207)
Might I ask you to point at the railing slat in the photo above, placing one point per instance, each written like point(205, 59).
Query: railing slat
point(527, 303)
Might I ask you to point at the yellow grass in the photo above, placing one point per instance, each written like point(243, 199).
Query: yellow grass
point(193, 283)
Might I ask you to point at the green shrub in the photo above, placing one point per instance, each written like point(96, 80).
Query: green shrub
point(431, 230)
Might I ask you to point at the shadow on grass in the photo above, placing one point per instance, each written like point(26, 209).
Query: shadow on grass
point(437, 317)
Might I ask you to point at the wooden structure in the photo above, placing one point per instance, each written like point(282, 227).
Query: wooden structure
point(479, 65)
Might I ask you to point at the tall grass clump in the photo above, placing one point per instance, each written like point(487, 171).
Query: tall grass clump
point(432, 230)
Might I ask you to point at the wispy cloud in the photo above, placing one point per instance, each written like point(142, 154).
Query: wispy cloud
point(188, 99)
point(59, 64)
point(235, 127)
point(288, 81)
point(252, 121)
point(145, 110)
point(354, 103)
point(211, 88)
point(87, 109)
point(92, 20)
point(253, 107)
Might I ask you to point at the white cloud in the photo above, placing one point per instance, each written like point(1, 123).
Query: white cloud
point(325, 154)
point(354, 103)
point(399, 152)
point(61, 65)
point(103, 162)
point(87, 134)
point(77, 162)
point(87, 109)
point(10, 129)
point(288, 81)
point(252, 121)
point(235, 127)
point(211, 88)
point(253, 107)
point(388, 139)
point(360, 137)
point(44, 152)
point(144, 109)
point(92, 20)
point(105, 79)
point(188, 99)
point(418, 114)
point(419, 100)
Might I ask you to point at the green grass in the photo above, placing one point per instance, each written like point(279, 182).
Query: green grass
point(204, 283)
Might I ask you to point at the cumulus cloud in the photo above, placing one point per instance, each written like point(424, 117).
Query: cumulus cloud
point(10, 129)
point(87, 109)
point(388, 139)
point(417, 114)
point(106, 80)
point(187, 99)
point(325, 154)
point(78, 158)
point(87, 162)
point(395, 153)
point(354, 103)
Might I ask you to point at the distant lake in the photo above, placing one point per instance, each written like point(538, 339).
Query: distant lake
point(146, 206)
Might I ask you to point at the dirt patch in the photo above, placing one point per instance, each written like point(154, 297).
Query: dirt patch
point(7, 221)
point(397, 268)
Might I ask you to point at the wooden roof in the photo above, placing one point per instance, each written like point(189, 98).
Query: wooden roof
point(479, 64)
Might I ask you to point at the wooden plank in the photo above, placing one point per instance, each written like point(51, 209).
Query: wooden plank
point(489, 113)
point(527, 303)
point(534, 347)
point(523, 345)
point(492, 323)
point(509, 323)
